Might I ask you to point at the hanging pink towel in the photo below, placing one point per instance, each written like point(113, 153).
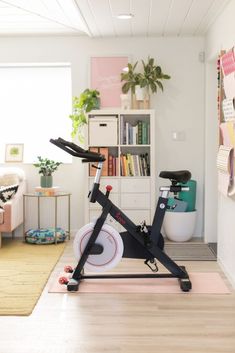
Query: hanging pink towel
point(228, 62)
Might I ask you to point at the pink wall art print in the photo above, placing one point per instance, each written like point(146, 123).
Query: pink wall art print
point(106, 78)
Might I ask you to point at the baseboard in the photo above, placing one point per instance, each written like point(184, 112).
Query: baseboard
point(231, 280)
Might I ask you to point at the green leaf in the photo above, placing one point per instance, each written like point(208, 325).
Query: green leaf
point(159, 85)
point(83, 104)
point(167, 77)
point(126, 87)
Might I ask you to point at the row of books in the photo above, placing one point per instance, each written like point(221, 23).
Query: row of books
point(135, 164)
point(130, 164)
point(110, 165)
point(134, 134)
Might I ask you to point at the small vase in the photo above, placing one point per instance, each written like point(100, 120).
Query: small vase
point(125, 101)
point(46, 181)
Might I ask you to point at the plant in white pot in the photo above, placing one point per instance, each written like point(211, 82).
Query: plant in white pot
point(147, 81)
point(46, 167)
point(151, 77)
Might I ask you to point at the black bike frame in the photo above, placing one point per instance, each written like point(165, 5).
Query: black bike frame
point(148, 239)
point(153, 251)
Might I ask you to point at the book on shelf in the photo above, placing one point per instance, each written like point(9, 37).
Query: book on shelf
point(92, 170)
point(130, 165)
point(139, 138)
point(109, 165)
point(134, 134)
point(121, 130)
point(40, 191)
point(127, 133)
point(144, 132)
point(105, 152)
point(135, 164)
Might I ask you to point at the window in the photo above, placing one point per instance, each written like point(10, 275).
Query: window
point(35, 103)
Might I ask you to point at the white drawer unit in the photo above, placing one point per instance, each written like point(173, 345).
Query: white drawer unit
point(135, 201)
point(106, 181)
point(135, 185)
point(103, 131)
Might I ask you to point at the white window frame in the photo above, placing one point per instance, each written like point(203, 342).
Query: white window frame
point(37, 112)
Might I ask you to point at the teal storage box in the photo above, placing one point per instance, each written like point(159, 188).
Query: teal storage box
point(189, 196)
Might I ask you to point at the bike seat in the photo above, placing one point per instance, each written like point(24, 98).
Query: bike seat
point(181, 176)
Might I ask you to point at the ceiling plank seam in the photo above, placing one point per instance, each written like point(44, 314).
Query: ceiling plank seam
point(167, 18)
point(39, 15)
point(95, 20)
point(185, 18)
point(112, 17)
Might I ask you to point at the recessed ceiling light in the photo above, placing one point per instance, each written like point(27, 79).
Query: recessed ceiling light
point(125, 16)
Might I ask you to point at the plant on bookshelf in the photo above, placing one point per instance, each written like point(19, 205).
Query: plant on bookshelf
point(88, 100)
point(152, 76)
point(131, 78)
point(147, 81)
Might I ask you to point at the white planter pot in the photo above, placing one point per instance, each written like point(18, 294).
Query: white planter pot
point(125, 101)
point(179, 226)
point(140, 93)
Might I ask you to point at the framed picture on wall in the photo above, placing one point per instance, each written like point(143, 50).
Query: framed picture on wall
point(14, 152)
point(106, 78)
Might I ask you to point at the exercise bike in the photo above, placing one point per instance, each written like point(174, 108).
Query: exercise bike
point(98, 247)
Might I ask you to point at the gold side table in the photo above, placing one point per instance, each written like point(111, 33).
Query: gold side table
point(39, 197)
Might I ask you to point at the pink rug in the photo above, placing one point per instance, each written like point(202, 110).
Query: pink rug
point(202, 283)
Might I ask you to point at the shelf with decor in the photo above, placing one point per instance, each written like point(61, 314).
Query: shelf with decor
point(126, 138)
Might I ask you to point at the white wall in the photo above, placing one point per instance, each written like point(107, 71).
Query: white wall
point(179, 108)
point(220, 36)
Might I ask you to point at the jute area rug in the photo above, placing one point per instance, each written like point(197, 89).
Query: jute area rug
point(24, 271)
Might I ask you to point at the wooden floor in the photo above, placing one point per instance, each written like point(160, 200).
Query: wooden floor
point(126, 323)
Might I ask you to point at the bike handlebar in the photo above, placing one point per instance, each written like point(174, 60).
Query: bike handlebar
point(76, 151)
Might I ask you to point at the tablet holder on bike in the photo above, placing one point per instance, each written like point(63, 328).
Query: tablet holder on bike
point(76, 151)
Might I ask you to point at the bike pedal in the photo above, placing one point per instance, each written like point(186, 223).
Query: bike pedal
point(63, 280)
point(68, 269)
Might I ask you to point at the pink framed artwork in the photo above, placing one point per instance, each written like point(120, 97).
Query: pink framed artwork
point(106, 78)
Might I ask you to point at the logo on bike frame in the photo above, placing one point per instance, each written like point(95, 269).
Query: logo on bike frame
point(119, 218)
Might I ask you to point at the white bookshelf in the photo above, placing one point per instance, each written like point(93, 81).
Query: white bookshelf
point(135, 195)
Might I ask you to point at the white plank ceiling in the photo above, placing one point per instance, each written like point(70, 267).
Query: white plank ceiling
point(97, 18)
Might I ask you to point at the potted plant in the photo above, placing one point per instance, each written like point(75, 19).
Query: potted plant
point(145, 82)
point(131, 78)
point(152, 76)
point(46, 167)
point(88, 100)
